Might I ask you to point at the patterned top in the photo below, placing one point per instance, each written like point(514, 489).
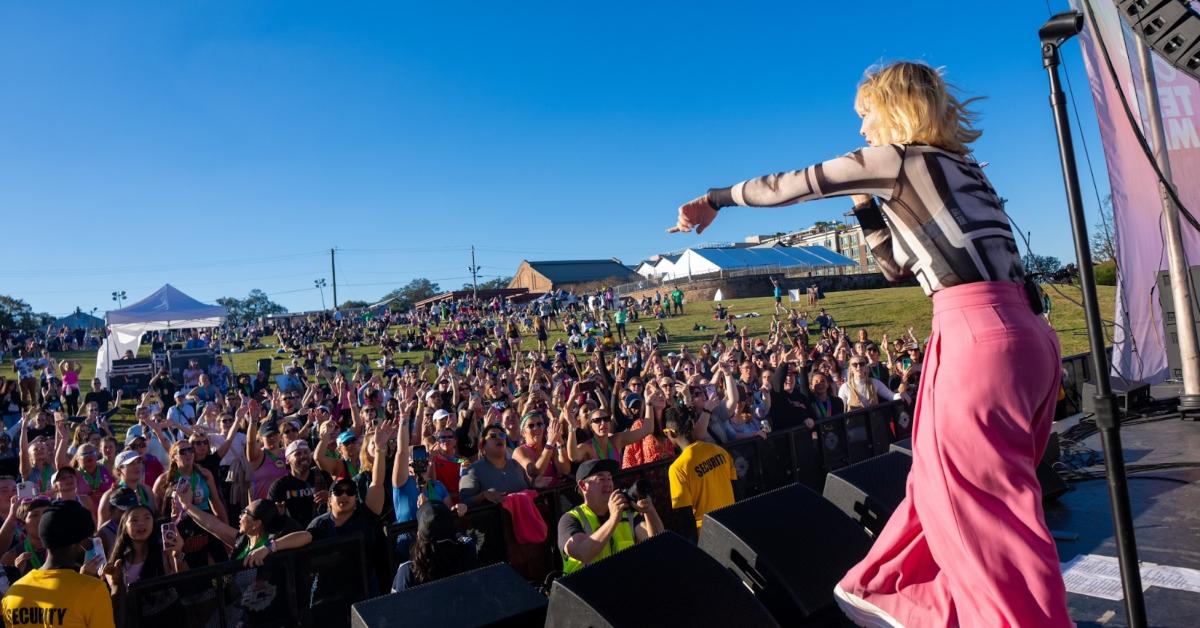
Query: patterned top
point(939, 219)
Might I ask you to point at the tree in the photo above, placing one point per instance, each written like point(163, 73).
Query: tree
point(416, 290)
point(491, 284)
point(17, 314)
point(1102, 245)
point(256, 305)
point(349, 305)
point(1044, 265)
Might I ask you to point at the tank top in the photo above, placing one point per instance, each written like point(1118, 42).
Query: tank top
point(551, 471)
point(271, 468)
point(610, 451)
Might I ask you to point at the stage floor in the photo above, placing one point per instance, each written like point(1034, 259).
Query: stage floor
point(1166, 510)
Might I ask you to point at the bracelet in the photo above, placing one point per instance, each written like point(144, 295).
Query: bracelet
point(271, 546)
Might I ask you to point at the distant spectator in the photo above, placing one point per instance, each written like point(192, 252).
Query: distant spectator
point(494, 475)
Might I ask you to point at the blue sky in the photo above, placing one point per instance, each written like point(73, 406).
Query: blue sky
point(227, 146)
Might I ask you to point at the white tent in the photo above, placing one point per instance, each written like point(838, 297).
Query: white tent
point(165, 308)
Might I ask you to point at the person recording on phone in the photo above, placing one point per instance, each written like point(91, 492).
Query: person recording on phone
point(608, 520)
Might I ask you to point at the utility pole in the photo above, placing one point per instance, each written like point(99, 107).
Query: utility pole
point(474, 276)
point(333, 272)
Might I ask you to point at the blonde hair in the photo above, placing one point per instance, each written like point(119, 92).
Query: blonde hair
point(913, 105)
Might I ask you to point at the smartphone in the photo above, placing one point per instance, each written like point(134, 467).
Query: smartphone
point(711, 391)
point(169, 531)
point(182, 485)
point(96, 550)
point(26, 490)
point(587, 386)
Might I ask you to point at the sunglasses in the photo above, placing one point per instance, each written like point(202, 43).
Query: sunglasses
point(347, 491)
point(291, 431)
point(858, 364)
point(494, 436)
point(200, 442)
point(446, 439)
point(183, 451)
point(601, 419)
point(535, 426)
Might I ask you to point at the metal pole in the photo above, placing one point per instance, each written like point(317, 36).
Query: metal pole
point(1057, 30)
point(474, 277)
point(1177, 262)
point(333, 272)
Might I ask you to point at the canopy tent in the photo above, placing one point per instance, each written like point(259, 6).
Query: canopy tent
point(700, 261)
point(165, 308)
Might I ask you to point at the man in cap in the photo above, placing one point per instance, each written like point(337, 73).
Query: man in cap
point(58, 594)
point(303, 493)
point(606, 522)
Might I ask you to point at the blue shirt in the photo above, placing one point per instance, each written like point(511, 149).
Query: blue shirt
point(404, 498)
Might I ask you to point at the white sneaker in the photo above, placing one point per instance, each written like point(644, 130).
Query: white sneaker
point(862, 612)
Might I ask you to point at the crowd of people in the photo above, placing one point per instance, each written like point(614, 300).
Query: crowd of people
point(350, 438)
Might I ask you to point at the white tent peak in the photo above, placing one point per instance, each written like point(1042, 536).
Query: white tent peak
point(164, 305)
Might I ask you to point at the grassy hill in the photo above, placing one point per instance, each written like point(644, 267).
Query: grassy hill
point(889, 310)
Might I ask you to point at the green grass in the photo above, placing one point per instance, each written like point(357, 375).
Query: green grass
point(888, 310)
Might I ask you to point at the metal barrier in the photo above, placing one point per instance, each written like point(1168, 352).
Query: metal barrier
point(282, 592)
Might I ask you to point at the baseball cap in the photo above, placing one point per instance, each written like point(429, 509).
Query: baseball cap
point(268, 428)
point(123, 499)
point(435, 521)
point(65, 523)
point(345, 437)
point(126, 457)
point(295, 446)
point(179, 394)
point(441, 415)
point(430, 394)
point(594, 466)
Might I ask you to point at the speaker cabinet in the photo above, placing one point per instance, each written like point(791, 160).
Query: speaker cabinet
point(492, 596)
point(664, 581)
point(870, 491)
point(789, 546)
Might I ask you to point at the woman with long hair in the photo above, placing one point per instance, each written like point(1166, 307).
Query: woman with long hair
point(94, 478)
point(140, 553)
point(971, 524)
point(438, 552)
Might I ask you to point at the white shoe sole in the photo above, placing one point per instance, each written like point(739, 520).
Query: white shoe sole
point(862, 612)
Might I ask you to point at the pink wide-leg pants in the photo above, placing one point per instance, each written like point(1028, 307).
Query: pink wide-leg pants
point(969, 546)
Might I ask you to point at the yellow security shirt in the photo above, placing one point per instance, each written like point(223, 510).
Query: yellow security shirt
point(702, 477)
point(58, 597)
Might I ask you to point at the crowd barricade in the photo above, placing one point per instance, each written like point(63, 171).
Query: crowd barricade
point(279, 593)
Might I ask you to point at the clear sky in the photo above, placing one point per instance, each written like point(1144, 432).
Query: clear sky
point(225, 146)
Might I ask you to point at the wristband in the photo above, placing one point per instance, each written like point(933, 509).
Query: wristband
point(271, 546)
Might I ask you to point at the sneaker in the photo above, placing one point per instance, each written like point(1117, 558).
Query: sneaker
point(862, 612)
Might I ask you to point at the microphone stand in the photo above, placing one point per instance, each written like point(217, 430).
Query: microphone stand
point(1053, 33)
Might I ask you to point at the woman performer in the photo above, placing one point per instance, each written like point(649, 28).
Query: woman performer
point(969, 544)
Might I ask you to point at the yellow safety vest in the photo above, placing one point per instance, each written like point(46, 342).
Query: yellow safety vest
point(622, 537)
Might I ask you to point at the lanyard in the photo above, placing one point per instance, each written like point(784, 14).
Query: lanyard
point(94, 479)
point(34, 559)
point(246, 551)
point(607, 448)
point(824, 407)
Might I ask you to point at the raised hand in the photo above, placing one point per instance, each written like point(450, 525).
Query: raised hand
point(697, 214)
